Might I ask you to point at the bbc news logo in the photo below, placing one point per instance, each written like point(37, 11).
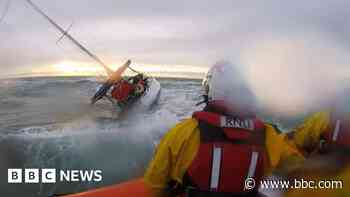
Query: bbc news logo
point(34, 175)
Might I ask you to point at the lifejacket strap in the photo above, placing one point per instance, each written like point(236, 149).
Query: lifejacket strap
point(253, 164)
point(336, 130)
point(216, 168)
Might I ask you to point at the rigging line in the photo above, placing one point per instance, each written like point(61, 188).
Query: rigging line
point(71, 38)
point(133, 70)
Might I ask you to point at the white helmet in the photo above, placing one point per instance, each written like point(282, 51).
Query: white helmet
point(224, 82)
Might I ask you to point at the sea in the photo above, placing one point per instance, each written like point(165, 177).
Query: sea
point(48, 123)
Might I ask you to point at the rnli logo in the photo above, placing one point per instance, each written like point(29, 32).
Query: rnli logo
point(238, 123)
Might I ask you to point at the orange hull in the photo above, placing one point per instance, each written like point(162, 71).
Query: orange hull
point(134, 187)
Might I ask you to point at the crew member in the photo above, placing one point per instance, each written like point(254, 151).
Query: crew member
point(324, 138)
point(122, 90)
point(219, 148)
point(311, 136)
point(128, 88)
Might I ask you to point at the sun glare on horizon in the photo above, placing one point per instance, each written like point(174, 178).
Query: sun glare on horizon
point(69, 68)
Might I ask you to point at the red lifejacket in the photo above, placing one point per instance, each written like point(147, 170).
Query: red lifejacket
point(338, 132)
point(122, 91)
point(231, 150)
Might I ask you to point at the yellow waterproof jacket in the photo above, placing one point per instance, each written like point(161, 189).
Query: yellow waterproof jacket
point(179, 146)
point(307, 136)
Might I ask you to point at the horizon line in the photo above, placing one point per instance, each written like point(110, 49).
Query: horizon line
point(190, 75)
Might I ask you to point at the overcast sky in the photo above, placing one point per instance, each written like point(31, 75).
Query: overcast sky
point(196, 32)
point(286, 42)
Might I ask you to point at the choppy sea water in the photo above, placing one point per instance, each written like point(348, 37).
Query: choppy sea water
point(48, 123)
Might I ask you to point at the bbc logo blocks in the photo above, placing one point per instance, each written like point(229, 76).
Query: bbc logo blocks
point(48, 175)
point(31, 176)
point(14, 175)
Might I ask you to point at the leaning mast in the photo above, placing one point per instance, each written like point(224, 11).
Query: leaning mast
point(71, 38)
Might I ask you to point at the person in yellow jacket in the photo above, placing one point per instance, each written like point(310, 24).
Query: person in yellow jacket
point(312, 133)
point(216, 151)
point(324, 138)
point(308, 135)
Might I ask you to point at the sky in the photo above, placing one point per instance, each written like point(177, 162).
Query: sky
point(284, 48)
